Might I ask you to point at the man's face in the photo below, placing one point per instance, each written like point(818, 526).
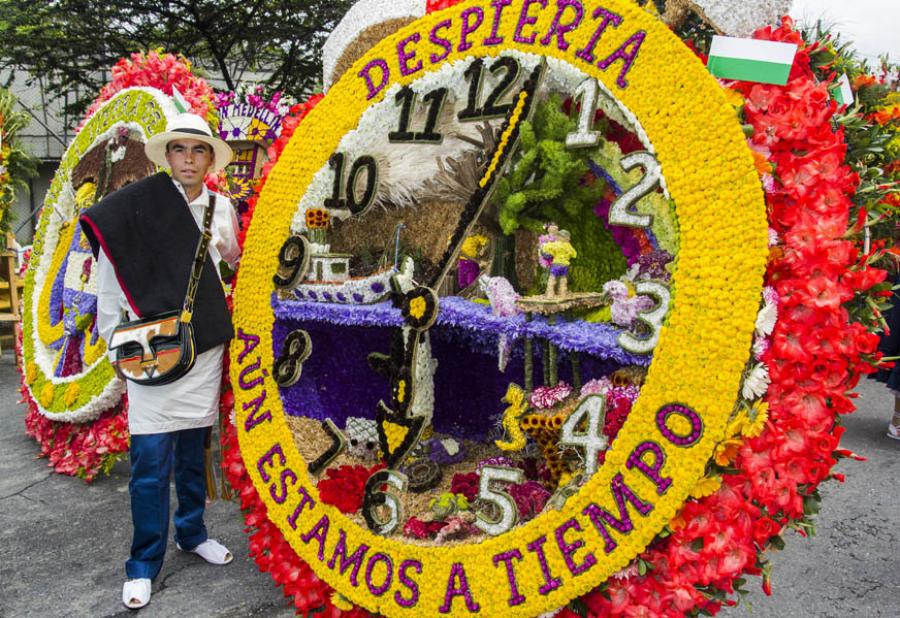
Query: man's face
point(190, 160)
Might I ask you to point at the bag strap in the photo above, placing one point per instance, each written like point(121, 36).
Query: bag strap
point(199, 260)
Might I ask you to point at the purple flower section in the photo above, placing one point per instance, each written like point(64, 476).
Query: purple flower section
point(467, 272)
point(481, 328)
point(623, 236)
point(57, 309)
point(437, 453)
point(337, 381)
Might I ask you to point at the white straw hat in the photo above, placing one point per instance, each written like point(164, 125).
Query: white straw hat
point(187, 126)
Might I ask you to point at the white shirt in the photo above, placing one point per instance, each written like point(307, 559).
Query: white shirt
point(193, 400)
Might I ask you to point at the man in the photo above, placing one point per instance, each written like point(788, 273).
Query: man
point(144, 238)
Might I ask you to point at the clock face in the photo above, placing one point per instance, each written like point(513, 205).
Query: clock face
point(472, 344)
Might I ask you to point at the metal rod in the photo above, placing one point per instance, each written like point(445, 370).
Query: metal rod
point(529, 359)
point(552, 353)
point(575, 360)
point(545, 360)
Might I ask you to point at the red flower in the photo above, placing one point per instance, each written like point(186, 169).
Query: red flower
point(345, 487)
point(418, 529)
point(764, 529)
point(530, 498)
point(465, 484)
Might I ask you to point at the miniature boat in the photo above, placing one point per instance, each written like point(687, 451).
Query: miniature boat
point(353, 290)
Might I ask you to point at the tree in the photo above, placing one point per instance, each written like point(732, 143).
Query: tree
point(72, 43)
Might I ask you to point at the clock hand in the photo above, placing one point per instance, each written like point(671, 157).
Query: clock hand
point(522, 108)
point(420, 302)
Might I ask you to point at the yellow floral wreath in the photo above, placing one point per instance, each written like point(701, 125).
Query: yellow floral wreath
point(141, 108)
point(691, 384)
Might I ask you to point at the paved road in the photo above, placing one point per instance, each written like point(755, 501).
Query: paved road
point(62, 543)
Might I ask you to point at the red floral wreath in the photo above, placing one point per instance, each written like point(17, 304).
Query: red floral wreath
point(162, 71)
point(817, 355)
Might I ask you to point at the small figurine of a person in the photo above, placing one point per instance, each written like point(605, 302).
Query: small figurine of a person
point(561, 253)
point(551, 234)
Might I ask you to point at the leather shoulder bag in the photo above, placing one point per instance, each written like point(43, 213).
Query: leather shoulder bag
point(160, 349)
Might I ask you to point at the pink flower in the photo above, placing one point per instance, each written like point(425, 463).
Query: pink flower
point(545, 397)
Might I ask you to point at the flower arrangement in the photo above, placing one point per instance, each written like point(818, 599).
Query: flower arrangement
point(255, 338)
point(748, 476)
point(871, 126)
point(768, 483)
point(344, 487)
point(66, 379)
point(256, 96)
point(317, 222)
point(317, 218)
point(247, 115)
point(16, 166)
point(162, 71)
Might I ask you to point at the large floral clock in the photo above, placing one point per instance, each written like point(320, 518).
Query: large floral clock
point(491, 276)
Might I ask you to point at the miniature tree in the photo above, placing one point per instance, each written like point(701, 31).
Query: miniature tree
point(548, 182)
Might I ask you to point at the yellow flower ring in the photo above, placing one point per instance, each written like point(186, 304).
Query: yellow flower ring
point(690, 390)
point(84, 395)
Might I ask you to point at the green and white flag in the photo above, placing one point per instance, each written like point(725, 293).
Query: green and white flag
point(749, 60)
point(841, 91)
point(180, 102)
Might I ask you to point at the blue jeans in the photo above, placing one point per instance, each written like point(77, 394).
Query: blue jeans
point(152, 458)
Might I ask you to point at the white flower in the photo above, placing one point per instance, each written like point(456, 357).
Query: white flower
point(766, 319)
point(756, 383)
point(362, 17)
point(760, 346)
point(741, 17)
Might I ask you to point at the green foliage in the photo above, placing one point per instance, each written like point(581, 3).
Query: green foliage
point(71, 44)
point(16, 165)
point(547, 182)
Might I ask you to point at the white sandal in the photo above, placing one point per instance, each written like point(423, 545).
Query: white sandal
point(136, 593)
point(212, 551)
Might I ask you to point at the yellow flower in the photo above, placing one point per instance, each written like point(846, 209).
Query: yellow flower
point(759, 414)
point(401, 390)
point(417, 307)
point(84, 196)
point(726, 451)
point(71, 394)
point(680, 425)
point(30, 373)
point(735, 99)
point(47, 394)
point(706, 487)
point(394, 434)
